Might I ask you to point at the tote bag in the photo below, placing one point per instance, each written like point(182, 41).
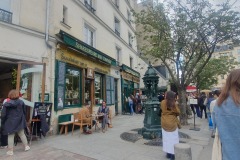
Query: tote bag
point(217, 147)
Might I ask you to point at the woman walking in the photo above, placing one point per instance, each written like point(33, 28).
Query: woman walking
point(130, 103)
point(13, 116)
point(226, 116)
point(169, 122)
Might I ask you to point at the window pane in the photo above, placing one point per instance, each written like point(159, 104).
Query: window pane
point(72, 89)
point(98, 88)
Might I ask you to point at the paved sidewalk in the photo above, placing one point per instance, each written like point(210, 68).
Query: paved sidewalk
point(109, 145)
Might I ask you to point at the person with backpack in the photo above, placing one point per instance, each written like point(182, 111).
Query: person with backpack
point(14, 121)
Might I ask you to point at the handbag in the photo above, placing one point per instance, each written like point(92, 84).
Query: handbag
point(217, 147)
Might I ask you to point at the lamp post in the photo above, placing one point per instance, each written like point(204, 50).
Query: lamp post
point(152, 121)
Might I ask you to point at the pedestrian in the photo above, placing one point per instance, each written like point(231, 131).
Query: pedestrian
point(170, 124)
point(130, 104)
point(202, 105)
point(14, 120)
point(4, 138)
point(104, 111)
point(216, 94)
point(226, 116)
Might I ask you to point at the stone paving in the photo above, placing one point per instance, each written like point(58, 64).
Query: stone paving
point(110, 145)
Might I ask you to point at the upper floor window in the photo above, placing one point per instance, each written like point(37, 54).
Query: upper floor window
point(116, 2)
point(5, 15)
point(89, 35)
point(118, 55)
point(65, 15)
point(90, 6)
point(131, 62)
point(130, 39)
point(117, 26)
point(129, 16)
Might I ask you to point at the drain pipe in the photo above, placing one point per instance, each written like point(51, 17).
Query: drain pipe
point(47, 25)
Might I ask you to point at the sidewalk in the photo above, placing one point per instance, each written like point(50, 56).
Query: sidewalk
point(109, 145)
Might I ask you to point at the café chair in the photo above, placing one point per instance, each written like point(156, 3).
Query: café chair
point(78, 120)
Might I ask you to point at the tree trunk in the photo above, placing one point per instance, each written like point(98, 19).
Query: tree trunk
point(182, 105)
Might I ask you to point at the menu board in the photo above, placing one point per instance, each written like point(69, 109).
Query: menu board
point(42, 108)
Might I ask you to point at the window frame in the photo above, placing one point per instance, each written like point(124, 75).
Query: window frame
point(92, 32)
point(101, 88)
point(118, 54)
point(131, 62)
point(65, 106)
point(117, 27)
point(130, 39)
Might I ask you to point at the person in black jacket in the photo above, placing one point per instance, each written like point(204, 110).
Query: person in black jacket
point(13, 116)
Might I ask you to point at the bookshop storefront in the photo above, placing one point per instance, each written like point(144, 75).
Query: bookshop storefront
point(130, 85)
point(82, 76)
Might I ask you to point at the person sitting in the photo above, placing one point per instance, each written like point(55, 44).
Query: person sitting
point(87, 118)
point(104, 110)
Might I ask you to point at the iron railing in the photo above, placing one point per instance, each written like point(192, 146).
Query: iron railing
point(5, 16)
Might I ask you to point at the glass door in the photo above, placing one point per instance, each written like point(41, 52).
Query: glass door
point(31, 83)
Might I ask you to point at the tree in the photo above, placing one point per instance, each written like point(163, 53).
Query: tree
point(214, 68)
point(183, 36)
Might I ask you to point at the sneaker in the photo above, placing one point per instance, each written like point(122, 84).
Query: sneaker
point(10, 153)
point(110, 126)
point(27, 148)
point(3, 147)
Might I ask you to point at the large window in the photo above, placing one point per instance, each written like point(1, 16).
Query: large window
point(72, 86)
point(117, 26)
point(98, 81)
point(89, 35)
point(118, 55)
point(110, 90)
point(130, 39)
point(65, 15)
point(129, 16)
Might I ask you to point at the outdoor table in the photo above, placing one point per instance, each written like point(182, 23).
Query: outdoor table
point(96, 118)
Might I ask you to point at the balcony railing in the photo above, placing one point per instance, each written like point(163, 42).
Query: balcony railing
point(89, 7)
point(5, 16)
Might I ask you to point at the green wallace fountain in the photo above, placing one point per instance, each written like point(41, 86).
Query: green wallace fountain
point(152, 120)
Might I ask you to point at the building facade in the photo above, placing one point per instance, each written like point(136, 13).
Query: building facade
point(232, 52)
point(69, 52)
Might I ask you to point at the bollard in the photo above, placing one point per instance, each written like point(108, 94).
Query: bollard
point(182, 151)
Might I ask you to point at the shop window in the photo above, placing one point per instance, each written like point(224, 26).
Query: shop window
point(98, 81)
point(72, 87)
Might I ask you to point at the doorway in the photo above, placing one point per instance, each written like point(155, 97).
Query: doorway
point(116, 96)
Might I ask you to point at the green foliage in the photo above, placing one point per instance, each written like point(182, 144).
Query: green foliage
point(184, 35)
point(214, 68)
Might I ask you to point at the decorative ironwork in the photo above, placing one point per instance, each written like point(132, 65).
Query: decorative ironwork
point(5, 16)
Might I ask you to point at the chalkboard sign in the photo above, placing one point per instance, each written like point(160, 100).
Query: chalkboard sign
point(41, 108)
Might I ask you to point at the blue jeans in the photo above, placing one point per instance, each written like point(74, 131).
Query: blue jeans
point(131, 107)
point(198, 111)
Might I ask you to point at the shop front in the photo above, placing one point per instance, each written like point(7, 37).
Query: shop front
point(130, 85)
point(82, 76)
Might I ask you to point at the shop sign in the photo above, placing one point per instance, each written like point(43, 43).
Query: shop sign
point(90, 73)
point(81, 61)
point(135, 79)
point(79, 45)
point(126, 76)
point(130, 70)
